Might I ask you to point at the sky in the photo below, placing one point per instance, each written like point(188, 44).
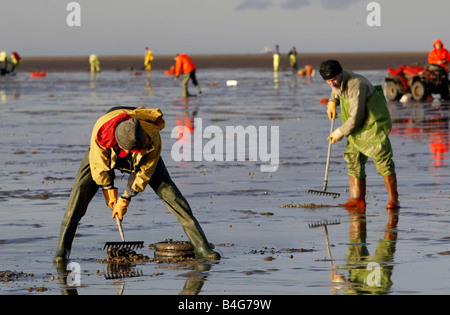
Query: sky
point(112, 27)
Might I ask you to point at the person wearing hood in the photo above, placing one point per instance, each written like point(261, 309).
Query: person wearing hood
point(439, 55)
point(94, 63)
point(127, 139)
point(366, 122)
point(184, 64)
point(148, 58)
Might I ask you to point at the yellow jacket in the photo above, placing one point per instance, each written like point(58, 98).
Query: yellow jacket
point(103, 160)
point(148, 60)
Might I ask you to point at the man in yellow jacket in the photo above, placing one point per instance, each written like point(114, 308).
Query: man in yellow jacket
point(148, 58)
point(127, 139)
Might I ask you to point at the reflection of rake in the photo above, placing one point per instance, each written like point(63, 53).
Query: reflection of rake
point(325, 183)
point(324, 223)
point(124, 274)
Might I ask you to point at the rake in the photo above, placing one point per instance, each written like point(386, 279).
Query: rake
point(123, 244)
point(325, 223)
point(325, 183)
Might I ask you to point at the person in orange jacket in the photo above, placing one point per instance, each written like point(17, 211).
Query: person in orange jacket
point(439, 55)
point(185, 65)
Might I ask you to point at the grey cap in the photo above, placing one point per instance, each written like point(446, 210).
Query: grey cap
point(129, 134)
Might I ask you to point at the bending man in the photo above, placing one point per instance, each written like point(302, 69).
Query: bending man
point(127, 139)
point(185, 65)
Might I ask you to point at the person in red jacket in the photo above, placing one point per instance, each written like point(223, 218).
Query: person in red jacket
point(185, 65)
point(439, 55)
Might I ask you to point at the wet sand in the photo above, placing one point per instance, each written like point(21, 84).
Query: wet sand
point(352, 61)
point(258, 222)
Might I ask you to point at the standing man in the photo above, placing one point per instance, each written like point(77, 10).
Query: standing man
point(185, 65)
point(148, 58)
point(127, 139)
point(292, 56)
point(276, 59)
point(366, 124)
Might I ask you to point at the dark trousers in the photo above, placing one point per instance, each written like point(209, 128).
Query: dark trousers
point(85, 188)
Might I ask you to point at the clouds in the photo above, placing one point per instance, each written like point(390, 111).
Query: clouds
point(259, 5)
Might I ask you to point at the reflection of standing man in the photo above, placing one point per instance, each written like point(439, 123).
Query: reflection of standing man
point(185, 65)
point(148, 59)
point(358, 257)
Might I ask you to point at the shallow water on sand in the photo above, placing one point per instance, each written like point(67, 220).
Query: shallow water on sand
point(45, 126)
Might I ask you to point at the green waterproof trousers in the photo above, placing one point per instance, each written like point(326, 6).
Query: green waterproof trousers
point(371, 140)
point(85, 188)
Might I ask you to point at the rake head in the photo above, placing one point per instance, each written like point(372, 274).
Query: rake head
point(323, 193)
point(132, 245)
point(323, 223)
point(125, 274)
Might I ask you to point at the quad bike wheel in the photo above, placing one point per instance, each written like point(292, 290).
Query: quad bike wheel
point(393, 92)
point(419, 91)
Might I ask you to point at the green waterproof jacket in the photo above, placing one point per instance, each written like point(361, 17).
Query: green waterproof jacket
point(366, 120)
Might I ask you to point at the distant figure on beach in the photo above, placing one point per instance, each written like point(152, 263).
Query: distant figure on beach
point(292, 57)
point(439, 55)
point(8, 66)
point(366, 122)
point(127, 139)
point(94, 62)
point(148, 58)
point(276, 59)
point(185, 65)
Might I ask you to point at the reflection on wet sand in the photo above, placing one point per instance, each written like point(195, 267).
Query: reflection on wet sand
point(367, 274)
point(195, 278)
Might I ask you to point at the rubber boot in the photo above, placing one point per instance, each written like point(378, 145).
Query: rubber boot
point(198, 89)
point(202, 248)
point(168, 192)
point(84, 189)
point(391, 186)
point(357, 193)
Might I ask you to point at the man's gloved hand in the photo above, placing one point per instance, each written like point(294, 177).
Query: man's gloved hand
point(110, 197)
point(336, 136)
point(331, 110)
point(120, 209)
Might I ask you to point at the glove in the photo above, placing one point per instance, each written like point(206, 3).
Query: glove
point(110, 197)
point(120, 209)
point(336, 136)
point(331, 110)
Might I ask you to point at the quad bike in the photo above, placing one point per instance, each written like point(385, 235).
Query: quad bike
point(421, 82)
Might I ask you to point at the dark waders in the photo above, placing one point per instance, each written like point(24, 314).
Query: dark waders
point(85, 188)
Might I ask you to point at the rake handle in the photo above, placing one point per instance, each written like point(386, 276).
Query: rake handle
point(327, 167)
point(119, 224)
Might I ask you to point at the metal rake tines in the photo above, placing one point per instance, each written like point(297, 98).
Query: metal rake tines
point(125, 274)
point(132, 245)
point(324, 193)
point(324, 223)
